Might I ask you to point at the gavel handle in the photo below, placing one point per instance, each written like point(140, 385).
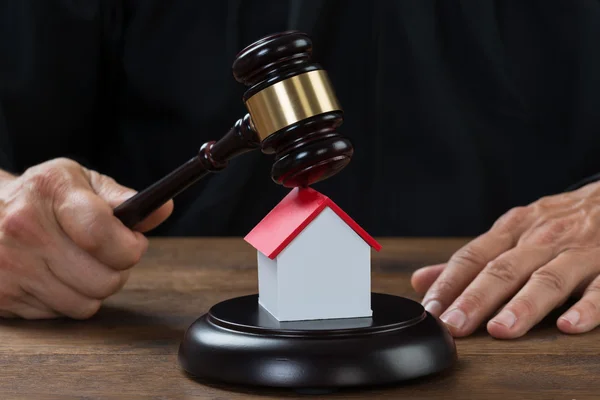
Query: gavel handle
point(212, 157)
point(142, 204)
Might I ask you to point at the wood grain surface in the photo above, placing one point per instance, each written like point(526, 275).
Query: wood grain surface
point(129, 349)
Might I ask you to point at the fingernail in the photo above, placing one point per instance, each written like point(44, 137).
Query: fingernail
point(455, 318)
point(506, 318)
point(572, 316)
point(433, 307)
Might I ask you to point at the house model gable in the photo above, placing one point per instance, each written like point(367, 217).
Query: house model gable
point(299, 208)
point(313, 260)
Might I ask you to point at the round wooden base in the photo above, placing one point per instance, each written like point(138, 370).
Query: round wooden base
point(239, 342)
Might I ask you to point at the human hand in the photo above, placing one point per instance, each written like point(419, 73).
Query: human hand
point(61, 249)
point(532, 260)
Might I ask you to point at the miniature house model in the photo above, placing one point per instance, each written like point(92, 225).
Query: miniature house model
point(314, 261)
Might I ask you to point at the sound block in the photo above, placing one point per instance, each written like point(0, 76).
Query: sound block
point(239, 342)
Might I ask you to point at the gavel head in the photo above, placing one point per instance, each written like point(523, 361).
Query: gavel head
point(293, 109)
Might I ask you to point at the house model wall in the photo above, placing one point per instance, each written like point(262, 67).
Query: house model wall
point(314, 261)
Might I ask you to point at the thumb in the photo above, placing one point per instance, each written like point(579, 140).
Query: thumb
point(115, 194)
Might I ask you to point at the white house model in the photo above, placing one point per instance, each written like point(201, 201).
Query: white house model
point(314, 261)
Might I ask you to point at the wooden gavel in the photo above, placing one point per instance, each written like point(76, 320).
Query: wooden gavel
point(292, 112)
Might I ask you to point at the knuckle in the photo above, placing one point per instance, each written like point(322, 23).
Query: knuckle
point(141, 250)
point(16, 220)
point(594, 287)
point(544, 201)
point(442, 287)
point(88, 309)
point(501, 269)
point(110, 286)
point(124, 278)
point(63, 161)
point(558, 226)
point(63, 164)
point(513, 218)
point(592, 307)
point(96, 232)
point(136, 252)
point(21, 222)
point(102, 180)
point(136, 257)
point(524, 306)
point(131, 256)
point(552, 231)
point(471, 301)
point(86, 223)
point(467, 257)
point(550, 202)
point(47, 181)
point(550, 279)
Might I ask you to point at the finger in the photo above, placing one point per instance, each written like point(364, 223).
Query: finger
point(16, 303)
point(463, 267)
point(156, 218)
point(584, 315)
point(124, 278)
point(547, 288)
point(115, 194)
point(8, 315)
point(34, 303)
point(23, 305)
point(26, 311)
point(89, 222)
point(423, 278)
point(82, 272)
point(583, 286)
point(498, 281)
point(59, 297)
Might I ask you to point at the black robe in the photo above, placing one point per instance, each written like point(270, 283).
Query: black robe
point(458, 110)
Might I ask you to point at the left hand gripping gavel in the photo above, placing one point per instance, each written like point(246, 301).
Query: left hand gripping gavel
point(292, 112)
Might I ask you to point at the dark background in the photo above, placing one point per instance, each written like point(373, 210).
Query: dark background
point(458, 110)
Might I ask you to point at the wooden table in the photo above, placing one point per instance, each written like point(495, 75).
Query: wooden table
point(129, 349)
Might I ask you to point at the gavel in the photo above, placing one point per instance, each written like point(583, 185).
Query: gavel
point(293, 113)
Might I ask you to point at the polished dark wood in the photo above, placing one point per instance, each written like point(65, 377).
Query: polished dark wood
point(239, 342)
point(305, 153)
point(272, 59)
point(129, 349)
point(212, 157)
point(311, 150)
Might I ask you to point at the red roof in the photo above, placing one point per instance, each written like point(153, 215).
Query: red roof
point(280, 226)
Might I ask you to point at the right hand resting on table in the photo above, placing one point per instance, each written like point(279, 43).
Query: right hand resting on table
point(61, 249)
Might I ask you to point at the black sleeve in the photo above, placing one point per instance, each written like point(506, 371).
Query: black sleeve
point(5, 163)
point(52, 90)
point(583, 182)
